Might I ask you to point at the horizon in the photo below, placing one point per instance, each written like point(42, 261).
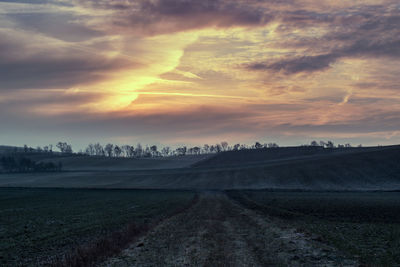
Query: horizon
point(187, 72)
point(173, 149)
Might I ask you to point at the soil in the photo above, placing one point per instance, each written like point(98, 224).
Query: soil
point(217, 231)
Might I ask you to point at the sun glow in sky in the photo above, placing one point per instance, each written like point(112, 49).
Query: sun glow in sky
point(189, 71)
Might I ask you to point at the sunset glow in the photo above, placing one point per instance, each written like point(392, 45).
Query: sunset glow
point(174, 71)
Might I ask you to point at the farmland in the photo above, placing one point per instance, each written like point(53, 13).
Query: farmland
point(302, 206)
point(376, 168)
point(364, 225)
point(36, 225)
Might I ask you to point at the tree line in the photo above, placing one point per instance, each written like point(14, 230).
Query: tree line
point(152, 151)
point(139, 151)
point(23, 164)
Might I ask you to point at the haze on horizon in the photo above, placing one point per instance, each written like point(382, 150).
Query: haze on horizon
point(189, 71)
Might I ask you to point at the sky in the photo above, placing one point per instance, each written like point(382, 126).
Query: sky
point(192, 72)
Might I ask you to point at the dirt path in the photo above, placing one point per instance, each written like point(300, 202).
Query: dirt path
point(219, 232)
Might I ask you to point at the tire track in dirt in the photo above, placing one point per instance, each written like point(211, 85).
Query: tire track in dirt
point(219, 232)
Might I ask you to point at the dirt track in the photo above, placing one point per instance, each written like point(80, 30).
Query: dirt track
point(218, 232)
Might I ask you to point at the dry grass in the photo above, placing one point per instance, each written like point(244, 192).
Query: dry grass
point(103, 248)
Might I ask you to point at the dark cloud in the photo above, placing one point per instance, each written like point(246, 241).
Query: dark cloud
point(24, 67)
point(295, 65)
point(166, 16)
point(374, 35)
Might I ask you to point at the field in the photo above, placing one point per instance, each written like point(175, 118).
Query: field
point(97, 163)
point(38, 224)
point(364, 225)
point(376, 168)
point(303, 206)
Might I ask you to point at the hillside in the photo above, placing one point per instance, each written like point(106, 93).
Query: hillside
point(85, 163)
point(268, 155)
point(365, 169)
point(76, 162)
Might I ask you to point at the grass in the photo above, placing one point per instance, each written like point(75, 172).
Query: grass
point(39, 225)
point(362, 225)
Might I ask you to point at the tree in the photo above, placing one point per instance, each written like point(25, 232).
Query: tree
point(165, 151)
point(218, 148)
point(330, 144)
point(117, 151)
point(224, 145)
point(314, 143)
point(90, 150)
point(154, 151)
point(212, 149)
point(109, 148)
point(98, 149)
point(206, 148)
point(181, 151)
point(139, 150)
point(196, 150)
point(129, 151)
point(257, 145)
point(236, 147)
point(64, 147)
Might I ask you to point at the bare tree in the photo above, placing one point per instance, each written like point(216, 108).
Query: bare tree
point(330, 144)
point(196, 150)
point(181, 151)
point(314, 143)
point(224, 145)
point(153, 150)
point(139, 150)
point(90, 150)
point(165, 151)
point(98, 149)
point(257, 145)
point(218, 148)
point(117, 151)
point(109, 148)
point(64, 147)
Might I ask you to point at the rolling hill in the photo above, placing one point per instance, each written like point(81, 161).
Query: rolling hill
point(375, 168)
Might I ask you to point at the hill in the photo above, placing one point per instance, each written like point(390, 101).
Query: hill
point(75, 162)
point(375, 168)
point(277, 154)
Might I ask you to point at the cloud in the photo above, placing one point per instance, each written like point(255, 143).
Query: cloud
point(151, 69)
point(296, 65)
point(376, 34)
point(169, 16)
point(64, 26)
point(29, 62)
